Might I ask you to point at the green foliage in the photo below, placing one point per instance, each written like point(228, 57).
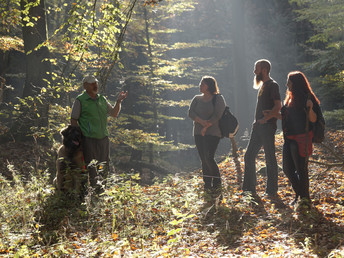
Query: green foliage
point(125, 216)
point(170, 218)
point(326, 45)
point(27, 19)
point(18, 206)
point(335, 118)
point(7, 43)
point(31, 109)
point(140, 140)
point(10, 17)
point(330, 90)
point(326, 16)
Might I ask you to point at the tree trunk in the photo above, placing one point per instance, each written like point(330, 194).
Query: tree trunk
point(37, 67)
point(239, 57)
point(153, 91)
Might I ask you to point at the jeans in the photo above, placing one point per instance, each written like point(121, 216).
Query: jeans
point(262, 135)
point(295, 168)
point(206, 146)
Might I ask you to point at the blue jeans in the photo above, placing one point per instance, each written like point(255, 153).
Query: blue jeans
point(206, 146)
point(262, 135)
point(295, 168)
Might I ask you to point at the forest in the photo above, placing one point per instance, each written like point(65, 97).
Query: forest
point(152, 204)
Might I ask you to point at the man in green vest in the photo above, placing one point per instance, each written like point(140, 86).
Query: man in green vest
point(90, 111)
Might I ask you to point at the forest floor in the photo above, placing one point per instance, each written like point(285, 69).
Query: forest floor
point(170, 218)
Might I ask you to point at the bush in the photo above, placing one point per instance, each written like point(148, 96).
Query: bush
point(335, 119)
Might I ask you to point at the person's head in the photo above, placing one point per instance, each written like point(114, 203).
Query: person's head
point(261, 71)
point(208, 83)
point(298, 89)
point(90, 84)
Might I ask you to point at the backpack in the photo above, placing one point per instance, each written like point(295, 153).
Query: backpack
point(228, 123)
point(318, 127)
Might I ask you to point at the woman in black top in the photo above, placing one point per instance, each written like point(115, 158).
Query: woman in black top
point(298, 114)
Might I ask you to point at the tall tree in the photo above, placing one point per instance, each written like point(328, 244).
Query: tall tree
point(35, 109)
point(239, 61)
point(34, 34)
point(326, 46)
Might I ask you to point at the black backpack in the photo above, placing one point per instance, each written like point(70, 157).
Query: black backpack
point(228, 123)
point(318, 127)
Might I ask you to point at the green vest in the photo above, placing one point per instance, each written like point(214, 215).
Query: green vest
point(93, 116)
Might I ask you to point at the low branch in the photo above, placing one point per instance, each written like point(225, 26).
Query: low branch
point(327, 164)
point(332, 152)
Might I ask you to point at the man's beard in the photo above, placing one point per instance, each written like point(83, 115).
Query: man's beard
point(257, 81)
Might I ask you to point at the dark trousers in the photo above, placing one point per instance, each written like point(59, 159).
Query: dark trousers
point(295, 168)
point(206, 146)
point(262, 135)
point(96, 155)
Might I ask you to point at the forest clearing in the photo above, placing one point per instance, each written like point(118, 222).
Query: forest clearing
point(141, 65)
point(171, 219)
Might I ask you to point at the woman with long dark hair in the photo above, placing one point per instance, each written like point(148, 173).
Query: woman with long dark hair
point(298, 114)
point(206, 111)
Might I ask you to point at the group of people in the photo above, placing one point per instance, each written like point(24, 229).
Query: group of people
point(298, 112)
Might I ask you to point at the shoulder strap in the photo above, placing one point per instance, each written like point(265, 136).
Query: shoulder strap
point(214, 99)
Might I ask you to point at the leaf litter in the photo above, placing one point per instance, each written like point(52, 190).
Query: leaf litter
point(171, 219)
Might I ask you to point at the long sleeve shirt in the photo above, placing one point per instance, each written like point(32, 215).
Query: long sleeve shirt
point(206, 110)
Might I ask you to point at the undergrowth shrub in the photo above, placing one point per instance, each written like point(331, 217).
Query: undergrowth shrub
point(131, 216)
point(19, 202)
point(335, 119)
point(126, 219)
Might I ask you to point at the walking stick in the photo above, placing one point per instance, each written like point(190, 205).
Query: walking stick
point(307, 135)
point(307, 139)
point(236, 160)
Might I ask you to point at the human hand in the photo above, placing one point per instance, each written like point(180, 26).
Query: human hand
point(266, 113)
point(309, 104)
point(204, 123)
point(261, 121)
point(204, 129)
point(122, 96)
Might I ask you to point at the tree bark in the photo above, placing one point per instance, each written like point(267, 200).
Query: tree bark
point(239, 56)
point(37, 65)
point(153, 91)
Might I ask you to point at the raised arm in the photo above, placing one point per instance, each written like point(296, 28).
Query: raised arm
point(312, 114)
point(117, 108)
